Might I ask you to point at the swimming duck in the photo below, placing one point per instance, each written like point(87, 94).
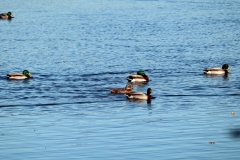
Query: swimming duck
point(8, 15)
point(217, 70)
point(140, 95)
point(128, 89)
point(24, 75)
point(139, 77)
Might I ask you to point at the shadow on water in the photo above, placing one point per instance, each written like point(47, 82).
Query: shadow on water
point(49, 104)
point(9, 20)
point(140, 101)
point(200, 95)
point(104, 73)
point(235, 133)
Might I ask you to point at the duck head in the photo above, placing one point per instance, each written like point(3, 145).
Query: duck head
point(9, 14)
point(128, 88)
point(149, 91)
point(141, 73)
point(26, 73)
point(226, 67)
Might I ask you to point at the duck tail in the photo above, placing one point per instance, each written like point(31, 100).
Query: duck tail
point(9, 76)
point(129, 78)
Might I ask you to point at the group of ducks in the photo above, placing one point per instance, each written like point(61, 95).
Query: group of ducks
point(141, 77)
point(138, 78)
point(8, 15)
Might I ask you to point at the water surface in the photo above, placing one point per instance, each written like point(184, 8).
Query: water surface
point(77, 51)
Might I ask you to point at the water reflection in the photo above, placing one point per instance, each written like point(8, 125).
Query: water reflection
point(225, 77)
point(139, 100)
point(9, 20)
point(26, 81)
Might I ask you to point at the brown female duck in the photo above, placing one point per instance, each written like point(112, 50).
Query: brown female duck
point(128, 89)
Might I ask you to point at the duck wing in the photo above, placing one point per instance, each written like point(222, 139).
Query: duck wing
point(137, 95)
point(16, 76)
point(118, 90)
point(213, 69)
point(136, 76)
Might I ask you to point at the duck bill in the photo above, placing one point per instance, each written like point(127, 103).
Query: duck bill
point(30, 75)
point(229, 69)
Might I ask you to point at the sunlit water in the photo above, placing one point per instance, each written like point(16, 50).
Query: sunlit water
point(79, 50)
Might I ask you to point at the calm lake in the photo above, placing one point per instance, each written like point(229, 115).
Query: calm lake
point(77, 50)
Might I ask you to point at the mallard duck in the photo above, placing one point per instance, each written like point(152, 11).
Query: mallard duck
point(8, 15)
point(140, 95)
point(217, 70)
point(128, 89)
point(139, 77)
point(24, 75)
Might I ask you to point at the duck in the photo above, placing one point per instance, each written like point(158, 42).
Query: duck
point(18, 76)
point(139, 77)
point(8, 15)
point(128, 89)
point(217, 70)
point(140, 95)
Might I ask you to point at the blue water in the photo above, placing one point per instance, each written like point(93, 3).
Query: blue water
point(79, 50)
